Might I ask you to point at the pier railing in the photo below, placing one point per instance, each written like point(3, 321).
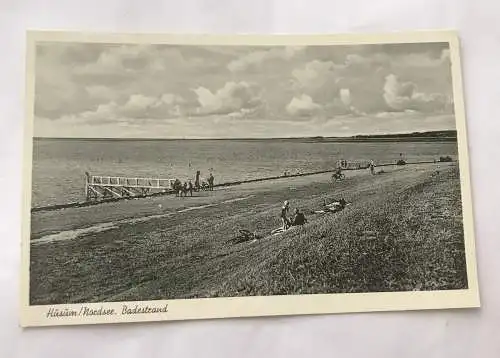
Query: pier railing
point(353, 165)
point(98, 187)
point(150, 183)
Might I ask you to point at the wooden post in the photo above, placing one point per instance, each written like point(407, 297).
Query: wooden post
point(87, 180)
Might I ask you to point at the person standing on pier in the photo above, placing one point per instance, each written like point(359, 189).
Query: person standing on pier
point(190, 188)
point(211, 182)
point(197, 181)
point(87, 181)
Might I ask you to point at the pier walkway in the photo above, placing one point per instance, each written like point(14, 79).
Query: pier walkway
point(104, 187)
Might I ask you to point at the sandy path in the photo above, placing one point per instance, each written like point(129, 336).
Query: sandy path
point(53, 222)
point(76, 222)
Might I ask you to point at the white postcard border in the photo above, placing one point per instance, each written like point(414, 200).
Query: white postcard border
point(94, 313)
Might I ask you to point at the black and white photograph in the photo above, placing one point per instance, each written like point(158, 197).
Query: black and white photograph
point(172, 177)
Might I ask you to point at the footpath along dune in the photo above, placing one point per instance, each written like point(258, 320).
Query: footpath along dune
point(147, 252)
point(48, 222)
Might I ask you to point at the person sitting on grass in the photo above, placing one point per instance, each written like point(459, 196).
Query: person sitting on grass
point(299, 219)
point(336, 206)
point(246, 235)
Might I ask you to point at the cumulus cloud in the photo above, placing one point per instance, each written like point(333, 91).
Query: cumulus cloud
point(315, 74)
point(106, 83)
point(136, 107)
point(56, 92)
point(138, 68)
point(100, 92)
point(139, 102)
point(103, 114)
point(346, 99)
point(370, 91)
point(112, 60)
point(170, 98)
point(423, 59)
point(302, 106)
point(125, 59)
point(398, 95)
point(345, 96)
point(254, 60)
point(374, 60)
point(236, 98)
point(140, 106)
point(401, 96)
point(76, 79)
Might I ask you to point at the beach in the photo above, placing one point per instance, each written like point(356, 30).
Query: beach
point(401, 231)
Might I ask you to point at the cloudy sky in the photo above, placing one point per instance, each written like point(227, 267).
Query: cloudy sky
point(164, 91)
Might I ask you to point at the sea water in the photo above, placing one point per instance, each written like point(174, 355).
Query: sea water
point(59, 165)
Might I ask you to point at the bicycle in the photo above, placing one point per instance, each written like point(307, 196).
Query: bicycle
point(337, 177)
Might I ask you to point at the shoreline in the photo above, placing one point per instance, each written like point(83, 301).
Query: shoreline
point(48, 222)
point(80, 204)
point(44, 223)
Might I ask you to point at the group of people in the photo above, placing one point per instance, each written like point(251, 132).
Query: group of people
point(188, 187)
point(298, 218)
point(183, 189)
point(208, 185)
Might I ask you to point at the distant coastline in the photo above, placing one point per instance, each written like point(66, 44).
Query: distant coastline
point(428, 136)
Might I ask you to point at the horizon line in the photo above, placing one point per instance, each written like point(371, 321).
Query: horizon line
point(354, 136)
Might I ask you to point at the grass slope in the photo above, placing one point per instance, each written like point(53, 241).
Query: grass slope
point(413, 240)
point(402, 232)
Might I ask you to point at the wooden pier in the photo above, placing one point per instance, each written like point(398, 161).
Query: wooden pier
point(99, 187)
point(352, 165)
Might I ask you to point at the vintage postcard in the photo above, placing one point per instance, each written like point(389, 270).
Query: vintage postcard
point(174, 177)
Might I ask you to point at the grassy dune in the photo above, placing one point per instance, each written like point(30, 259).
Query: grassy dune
point(403, 231)
point(410, 240)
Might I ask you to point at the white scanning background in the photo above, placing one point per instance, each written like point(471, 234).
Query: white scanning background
point(445, 333)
